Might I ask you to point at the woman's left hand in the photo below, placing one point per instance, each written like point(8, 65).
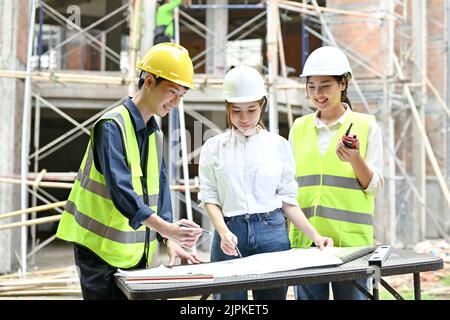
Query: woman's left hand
point(174, 250)
point(347, 154)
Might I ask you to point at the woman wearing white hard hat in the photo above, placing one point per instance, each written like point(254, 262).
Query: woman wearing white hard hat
point(247, 181)
point(339, 165)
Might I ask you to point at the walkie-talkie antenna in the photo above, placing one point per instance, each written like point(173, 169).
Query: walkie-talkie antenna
point(348, 130)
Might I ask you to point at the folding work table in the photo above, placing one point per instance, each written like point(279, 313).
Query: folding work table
point(399, 262)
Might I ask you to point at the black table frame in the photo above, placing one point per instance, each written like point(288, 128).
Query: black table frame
point(399, 262)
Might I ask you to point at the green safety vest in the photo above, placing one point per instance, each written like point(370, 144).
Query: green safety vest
point(90, 217)
point(329, 193)
point(164, 16)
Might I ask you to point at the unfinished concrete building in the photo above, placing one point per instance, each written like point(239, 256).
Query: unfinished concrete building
point(81, 64)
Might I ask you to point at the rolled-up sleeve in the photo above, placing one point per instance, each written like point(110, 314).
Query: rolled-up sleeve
point(110, 161)
point(374, 160)
point(208, 184)
point(288, 189)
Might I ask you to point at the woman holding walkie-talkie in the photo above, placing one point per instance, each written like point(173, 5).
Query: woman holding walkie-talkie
point(339, 165)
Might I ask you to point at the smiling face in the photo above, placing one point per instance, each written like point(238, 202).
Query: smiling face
point(163, 96)
point(245, 115)
point(324, 92)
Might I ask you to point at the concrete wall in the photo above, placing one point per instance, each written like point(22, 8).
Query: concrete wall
point(13, 34)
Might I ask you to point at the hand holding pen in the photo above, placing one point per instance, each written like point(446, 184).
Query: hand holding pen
point(185, 232)
point(239, 252)
point(228, 244)
point(186, 226)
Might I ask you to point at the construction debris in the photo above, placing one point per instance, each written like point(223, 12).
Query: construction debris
point(61, 281)
point(435, 283)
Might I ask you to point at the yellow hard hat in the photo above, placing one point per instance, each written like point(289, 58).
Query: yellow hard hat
point(169, 61)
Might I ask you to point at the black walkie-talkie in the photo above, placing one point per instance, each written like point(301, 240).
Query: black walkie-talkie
point(349, 141)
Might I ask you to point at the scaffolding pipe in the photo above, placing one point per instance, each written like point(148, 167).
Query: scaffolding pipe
point(388, 120)
point(447, 92)
point(25, 224)
point(25, 137)
point(49, 176)
point(41, 22)
point(44, 207)
point(272, 63)
point(284, 72)
point(134, 43)
point(228, 6)
point(334, 11)
point(305, 37)
point(37, 122)
point(187, 191)
point(58, 185)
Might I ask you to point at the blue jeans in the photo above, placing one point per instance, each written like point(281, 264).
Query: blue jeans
point(343, 290)
point(256, 233)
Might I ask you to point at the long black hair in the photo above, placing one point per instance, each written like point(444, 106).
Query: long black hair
point(345, 78)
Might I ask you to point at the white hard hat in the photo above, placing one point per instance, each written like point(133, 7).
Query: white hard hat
point(326, 61)
point(243, 84)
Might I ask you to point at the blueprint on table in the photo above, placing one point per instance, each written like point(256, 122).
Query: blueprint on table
point(257, 264)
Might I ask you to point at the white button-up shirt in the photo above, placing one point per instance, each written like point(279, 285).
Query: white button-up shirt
point(251, 174)
point(374, 153)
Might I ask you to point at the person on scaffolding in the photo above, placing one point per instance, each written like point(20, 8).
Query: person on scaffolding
point(247, 182)
point(164, 27)
point(120, 204)
point(339, 161)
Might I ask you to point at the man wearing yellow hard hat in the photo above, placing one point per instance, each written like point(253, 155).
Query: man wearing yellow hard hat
point(119, 206)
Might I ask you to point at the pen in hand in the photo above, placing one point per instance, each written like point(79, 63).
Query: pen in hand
point(239, 252)
point(186, 226)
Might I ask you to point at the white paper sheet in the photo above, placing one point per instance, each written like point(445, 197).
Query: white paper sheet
point(256, 264)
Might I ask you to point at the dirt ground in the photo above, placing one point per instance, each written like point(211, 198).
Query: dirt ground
point(435, 284)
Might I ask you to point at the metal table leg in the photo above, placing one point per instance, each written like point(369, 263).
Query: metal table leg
point(417, 290)
point(376, 291)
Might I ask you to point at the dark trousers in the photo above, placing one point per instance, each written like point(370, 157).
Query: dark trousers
point(97, 279)
point(160, 39)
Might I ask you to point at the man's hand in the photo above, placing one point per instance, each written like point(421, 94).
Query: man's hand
point(175, 250)
point(184, 232)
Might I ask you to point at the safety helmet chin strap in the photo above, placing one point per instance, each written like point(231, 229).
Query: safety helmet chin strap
point(263, 108)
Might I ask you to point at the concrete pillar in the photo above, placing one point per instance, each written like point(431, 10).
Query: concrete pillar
point(217, 20)
point(13, 46)
point(113, 39)
point(147, 26)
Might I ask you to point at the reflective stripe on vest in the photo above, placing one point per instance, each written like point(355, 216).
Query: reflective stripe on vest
point(331, 181)
point(329, 193)
point(100, 189)
point(105, 231)
point(90, 217)
point(341, 215)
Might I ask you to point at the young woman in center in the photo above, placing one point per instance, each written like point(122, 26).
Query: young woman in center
point(247, 182)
